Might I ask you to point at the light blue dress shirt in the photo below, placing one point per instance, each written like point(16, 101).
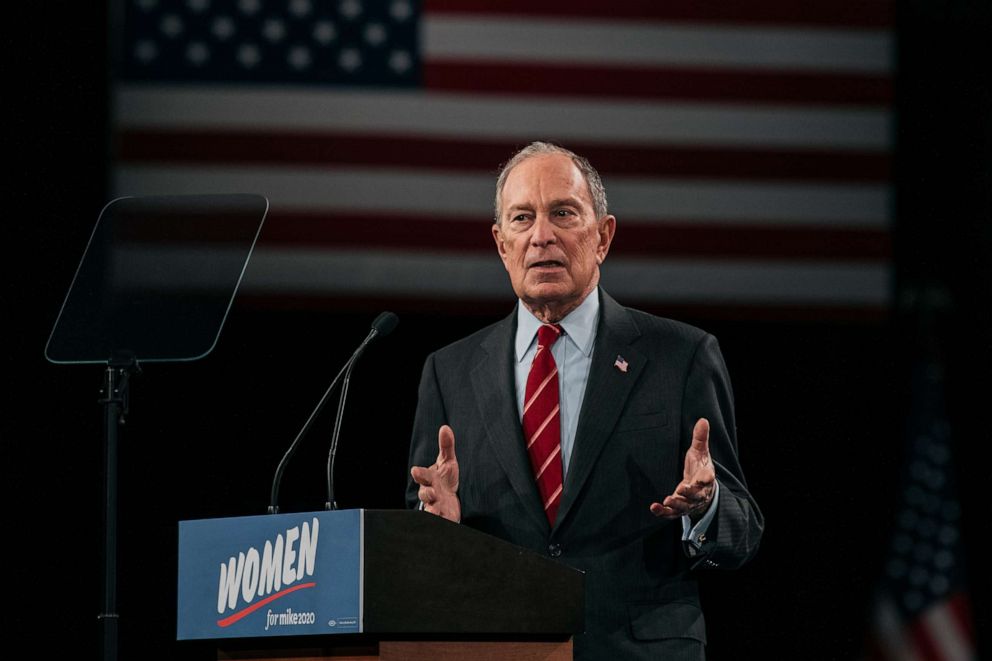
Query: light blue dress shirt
point(573, 356)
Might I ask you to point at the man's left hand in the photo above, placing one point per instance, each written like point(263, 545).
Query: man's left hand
point(694, 493)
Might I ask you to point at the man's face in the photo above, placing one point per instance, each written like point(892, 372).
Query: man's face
point(548, 235)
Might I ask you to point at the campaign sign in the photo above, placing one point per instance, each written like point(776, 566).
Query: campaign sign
point(273, 575)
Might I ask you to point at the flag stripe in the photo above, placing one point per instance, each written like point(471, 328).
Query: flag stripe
point(291, 148)
point(656, 280)
point(469, 196)
point(962, 613)
point(922, 637)
point(467, 116)
point(895, 642)
point(663, 239)
point(946, 633)
point(688, 84)
point(515, 39)
point(846, 13)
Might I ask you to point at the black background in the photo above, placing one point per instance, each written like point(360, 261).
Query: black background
point(820, 404)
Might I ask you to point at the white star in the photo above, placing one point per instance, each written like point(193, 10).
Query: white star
point(197, 53)
point(249, 6)
point(350, 59)
point(375, 34)
point(939, 585)
point(171, 25)
point(299, 8)
point(249, 55)
point(146, 5)
point(197, 5)
point(350, 8)
point(299, 57)
point(400, 10)
point(399, 61)
point(223, 27)
point(274, 29)
point(943, 560)
point(145, 51)
point(324, 32)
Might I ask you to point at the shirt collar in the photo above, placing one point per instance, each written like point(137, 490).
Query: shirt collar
point(579, 325)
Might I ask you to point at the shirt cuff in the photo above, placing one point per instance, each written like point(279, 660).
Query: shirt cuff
point(695, 535)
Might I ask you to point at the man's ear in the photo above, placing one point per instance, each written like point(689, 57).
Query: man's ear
point(607, 228)
point(498, 238)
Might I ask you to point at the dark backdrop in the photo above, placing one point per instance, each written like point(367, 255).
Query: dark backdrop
point(820, 404)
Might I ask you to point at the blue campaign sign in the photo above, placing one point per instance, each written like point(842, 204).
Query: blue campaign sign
point(274, 575)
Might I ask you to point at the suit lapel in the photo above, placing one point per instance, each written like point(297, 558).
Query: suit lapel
point(606, 393)
point(493, 383)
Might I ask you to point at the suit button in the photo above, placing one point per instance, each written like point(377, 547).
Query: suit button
point(554, 550)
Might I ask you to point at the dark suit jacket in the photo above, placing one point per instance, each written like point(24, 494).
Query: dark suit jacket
point(634, 429)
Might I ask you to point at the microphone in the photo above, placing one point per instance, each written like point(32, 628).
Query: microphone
point(383, 325)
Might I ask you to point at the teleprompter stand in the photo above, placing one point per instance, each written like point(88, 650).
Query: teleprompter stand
point(155, 284)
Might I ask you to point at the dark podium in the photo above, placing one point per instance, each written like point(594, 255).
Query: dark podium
point(437, 590)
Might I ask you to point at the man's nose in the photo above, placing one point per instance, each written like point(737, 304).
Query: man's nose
point(543, 231)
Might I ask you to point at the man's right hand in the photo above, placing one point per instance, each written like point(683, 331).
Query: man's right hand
point(439, 483)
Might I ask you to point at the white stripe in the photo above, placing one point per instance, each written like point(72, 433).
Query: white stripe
point(540, 388)
point(672, 280)
point(455, 276)
point(552, 497)
point(946, 633)
point(547, 462)
point(468, 196)
point(544, 424)
point(467, 116)
point(895, 640)
point(640, 43)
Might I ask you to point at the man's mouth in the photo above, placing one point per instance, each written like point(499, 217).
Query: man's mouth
point(548, 263)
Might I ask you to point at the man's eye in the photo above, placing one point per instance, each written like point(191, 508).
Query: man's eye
point(520, 217)
point(563, 212)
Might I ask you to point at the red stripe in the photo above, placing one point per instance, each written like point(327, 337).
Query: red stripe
point(672, 239)
point(488, 309)
point(925, 647)
point(684, 84)
point(848, 13)
point(960, 608)
point(316, 149)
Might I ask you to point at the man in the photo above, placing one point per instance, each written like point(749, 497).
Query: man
point(597, 434)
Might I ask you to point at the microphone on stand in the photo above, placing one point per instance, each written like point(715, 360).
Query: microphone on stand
point(382, 325)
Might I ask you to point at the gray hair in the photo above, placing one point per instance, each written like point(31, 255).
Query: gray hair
point(593, 181)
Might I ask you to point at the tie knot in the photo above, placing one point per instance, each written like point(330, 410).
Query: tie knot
point(548, 334)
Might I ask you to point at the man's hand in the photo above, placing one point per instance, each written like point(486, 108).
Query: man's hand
point(694, 493)
point(439, 483)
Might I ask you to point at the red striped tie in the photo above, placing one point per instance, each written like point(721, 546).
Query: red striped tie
point(542, 422)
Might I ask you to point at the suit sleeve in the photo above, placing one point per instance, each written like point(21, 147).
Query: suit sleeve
point(734, 535)
point(429, 417)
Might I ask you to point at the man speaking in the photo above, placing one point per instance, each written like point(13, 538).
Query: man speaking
point(596, 434)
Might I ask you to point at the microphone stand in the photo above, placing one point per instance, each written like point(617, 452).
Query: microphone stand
point(273, 502)
point(331, 504)
point(383, 325)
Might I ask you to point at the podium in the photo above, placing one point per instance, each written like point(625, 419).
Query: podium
point(371, 584)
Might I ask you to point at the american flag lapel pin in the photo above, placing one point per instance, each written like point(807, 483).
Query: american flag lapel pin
point(621, 364)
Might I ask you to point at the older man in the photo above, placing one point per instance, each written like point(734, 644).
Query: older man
point(597, 434)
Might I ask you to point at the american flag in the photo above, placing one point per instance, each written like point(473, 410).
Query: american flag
point(922, 610)
point(745, 147)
